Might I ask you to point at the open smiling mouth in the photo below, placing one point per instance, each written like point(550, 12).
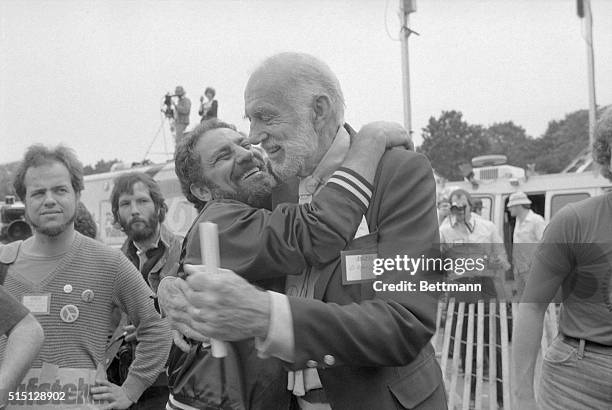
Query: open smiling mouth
point(250, 173)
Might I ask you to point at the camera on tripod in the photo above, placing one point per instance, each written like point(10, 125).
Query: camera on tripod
point(167, 106)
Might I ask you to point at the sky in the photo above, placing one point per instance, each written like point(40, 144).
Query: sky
point(91, 74)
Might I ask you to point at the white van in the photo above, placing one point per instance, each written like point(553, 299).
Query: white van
point(493, 182)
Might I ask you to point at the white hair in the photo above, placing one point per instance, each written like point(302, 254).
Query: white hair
point(307, 77)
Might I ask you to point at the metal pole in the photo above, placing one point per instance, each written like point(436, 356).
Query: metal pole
point(406, 7)
point(590, 69)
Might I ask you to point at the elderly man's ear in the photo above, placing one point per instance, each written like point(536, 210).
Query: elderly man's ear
point(322, 111)
point(200, 192)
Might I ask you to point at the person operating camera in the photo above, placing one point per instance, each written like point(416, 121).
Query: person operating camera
point(182, 107)
point(466, 235)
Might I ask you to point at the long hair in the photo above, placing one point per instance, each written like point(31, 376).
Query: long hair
point(124, 183)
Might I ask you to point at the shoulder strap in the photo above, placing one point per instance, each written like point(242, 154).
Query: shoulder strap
point(8, 255)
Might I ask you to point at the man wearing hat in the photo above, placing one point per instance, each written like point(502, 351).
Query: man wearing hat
point(528, 231)
point(181, 113)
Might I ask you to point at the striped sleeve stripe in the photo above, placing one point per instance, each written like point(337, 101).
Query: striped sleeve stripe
point(356, 179)
point(354, 184)
point(343, 186)
point(365, 194)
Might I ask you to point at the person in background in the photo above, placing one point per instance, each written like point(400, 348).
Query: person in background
point(208, 109)
point(528, 231)
point(84, 222)
point(574, 255)
point(443, 209)
point(71, 283)
point(139, 207)
point(182, 108)
point(25, 338)
point(465, 235)
point(477, 206)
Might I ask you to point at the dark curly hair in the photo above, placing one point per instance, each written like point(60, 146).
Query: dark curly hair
point(187, 161)
point(38, 155)
point(210, 90)
point(603, 142)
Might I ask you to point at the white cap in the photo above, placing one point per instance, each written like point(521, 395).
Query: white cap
point(518, 198)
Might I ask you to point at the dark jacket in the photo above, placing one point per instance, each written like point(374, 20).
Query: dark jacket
point(371, 348)
point(163, 261)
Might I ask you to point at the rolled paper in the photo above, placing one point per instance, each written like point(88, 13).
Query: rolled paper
point(209, 249)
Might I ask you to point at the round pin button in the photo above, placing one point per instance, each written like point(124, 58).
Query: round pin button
point(68, 288)
point(87, 295)
point(69, 313)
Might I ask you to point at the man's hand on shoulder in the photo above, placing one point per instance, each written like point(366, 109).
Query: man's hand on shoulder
point(388, 134)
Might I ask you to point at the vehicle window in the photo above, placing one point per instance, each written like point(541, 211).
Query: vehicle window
point(486, 207)
point(560, 200)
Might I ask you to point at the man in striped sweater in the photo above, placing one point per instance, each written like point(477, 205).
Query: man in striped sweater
point(70, 282)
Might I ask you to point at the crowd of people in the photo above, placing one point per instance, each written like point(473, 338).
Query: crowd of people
point(302, 205)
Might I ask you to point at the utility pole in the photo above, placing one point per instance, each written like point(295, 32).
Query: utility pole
point(406, 7)
point(584, 11)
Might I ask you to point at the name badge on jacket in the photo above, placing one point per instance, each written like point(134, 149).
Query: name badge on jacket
point(357, 261)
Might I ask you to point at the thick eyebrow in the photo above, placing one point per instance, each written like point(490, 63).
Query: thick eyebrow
point(261, 111)
point(221, 150)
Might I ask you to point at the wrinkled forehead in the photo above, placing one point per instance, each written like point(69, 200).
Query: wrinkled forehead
point(217, 139)
point(48, 171)
point(269, 85)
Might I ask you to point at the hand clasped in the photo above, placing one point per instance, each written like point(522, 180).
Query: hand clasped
point(223, 306)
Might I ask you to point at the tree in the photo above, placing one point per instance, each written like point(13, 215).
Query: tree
point(448, 142)
point(100, 167)
point(562, 142)
point(511, 140)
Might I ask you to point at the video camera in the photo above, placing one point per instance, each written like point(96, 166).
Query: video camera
point(455, 207)
point(167, 105)
point(13, 226)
